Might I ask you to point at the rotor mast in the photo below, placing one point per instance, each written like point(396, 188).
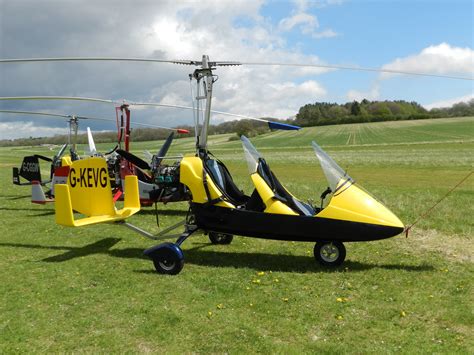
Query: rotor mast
point(205, 75)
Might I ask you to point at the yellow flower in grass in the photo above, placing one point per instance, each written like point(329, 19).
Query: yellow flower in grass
point(403, 314)
point(256, 281)
point(261, 273)
point(220, 306)
point(209, 314)
point(339, 317)
point(284, 299)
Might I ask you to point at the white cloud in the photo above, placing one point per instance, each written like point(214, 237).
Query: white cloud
point(12, 130)
point(324, 34)
point(306, 21)
point(437, 59)
point(449, 102)
point(160, 29)
point(372, 94)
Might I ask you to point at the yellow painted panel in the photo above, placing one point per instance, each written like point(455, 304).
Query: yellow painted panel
point(190, 174)
point(354, 204)
point(89, 187)
point(266, 194)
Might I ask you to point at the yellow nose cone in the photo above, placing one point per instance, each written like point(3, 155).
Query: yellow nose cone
point(355, 205)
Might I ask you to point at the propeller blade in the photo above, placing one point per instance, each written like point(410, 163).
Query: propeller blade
point(60, 152)
point(148, 155)
point(132, 158)
point(164, 149)
point(90, 139)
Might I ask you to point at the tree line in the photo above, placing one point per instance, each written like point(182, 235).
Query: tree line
point(326, 113)
point(317, 114)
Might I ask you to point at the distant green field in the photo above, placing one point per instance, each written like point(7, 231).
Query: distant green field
point(91, 290)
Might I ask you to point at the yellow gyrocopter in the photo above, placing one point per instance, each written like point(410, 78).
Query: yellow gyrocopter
point(347, 213)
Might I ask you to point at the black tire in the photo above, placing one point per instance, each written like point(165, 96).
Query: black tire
point(168, 259)
point(220, 238)
point(330, 254)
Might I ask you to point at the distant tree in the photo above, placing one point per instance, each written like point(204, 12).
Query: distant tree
point(355, 109)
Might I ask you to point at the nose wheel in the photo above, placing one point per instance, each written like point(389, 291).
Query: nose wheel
point(330, 254)
point(168, 258)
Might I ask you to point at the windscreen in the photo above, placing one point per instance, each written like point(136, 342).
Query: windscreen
point(251, 155)
point(337, 178)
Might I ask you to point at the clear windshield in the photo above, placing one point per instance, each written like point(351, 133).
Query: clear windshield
point(337, 178)
point(251, 155)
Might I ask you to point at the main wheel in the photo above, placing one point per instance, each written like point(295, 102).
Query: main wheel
point(330, 254)
point(168, 258)
point(220, 238)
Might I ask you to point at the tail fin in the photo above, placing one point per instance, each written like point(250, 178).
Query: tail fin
point(29, 170)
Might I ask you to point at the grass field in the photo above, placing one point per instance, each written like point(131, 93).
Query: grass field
point(91, 290)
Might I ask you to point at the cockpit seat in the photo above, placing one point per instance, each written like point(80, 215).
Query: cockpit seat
point(281, 194)
point(220, 175)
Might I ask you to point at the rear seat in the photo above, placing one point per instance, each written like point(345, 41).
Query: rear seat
point(281, 193)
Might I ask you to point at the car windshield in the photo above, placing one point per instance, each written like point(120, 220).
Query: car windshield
point(337, 178)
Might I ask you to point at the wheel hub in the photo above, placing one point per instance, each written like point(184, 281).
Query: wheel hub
point(329, 253)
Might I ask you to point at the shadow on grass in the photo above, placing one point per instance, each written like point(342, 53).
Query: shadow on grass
point(27, 209)
point(151, 211)
point(282, 262)
point(218, 259)
point(46, 213)
point(15, 197)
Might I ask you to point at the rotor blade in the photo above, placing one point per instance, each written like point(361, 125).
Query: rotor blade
point(90, 139)
point(72, 98)
point(35, 113)
point(357, 68)
point(164, 149)
point(232, 63)
point(179, 130)
point(92, 59)
point(116, 59)
point(134, 159)
point(271, 124)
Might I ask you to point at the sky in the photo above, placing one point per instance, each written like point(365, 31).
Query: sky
point(421, 36)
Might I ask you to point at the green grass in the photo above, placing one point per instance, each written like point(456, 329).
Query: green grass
point(91, 290)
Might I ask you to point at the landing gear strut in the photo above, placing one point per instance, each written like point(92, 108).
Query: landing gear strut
point(168, 258)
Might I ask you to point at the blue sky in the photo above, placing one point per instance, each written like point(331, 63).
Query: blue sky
point(373, 33)
point(420, 36)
